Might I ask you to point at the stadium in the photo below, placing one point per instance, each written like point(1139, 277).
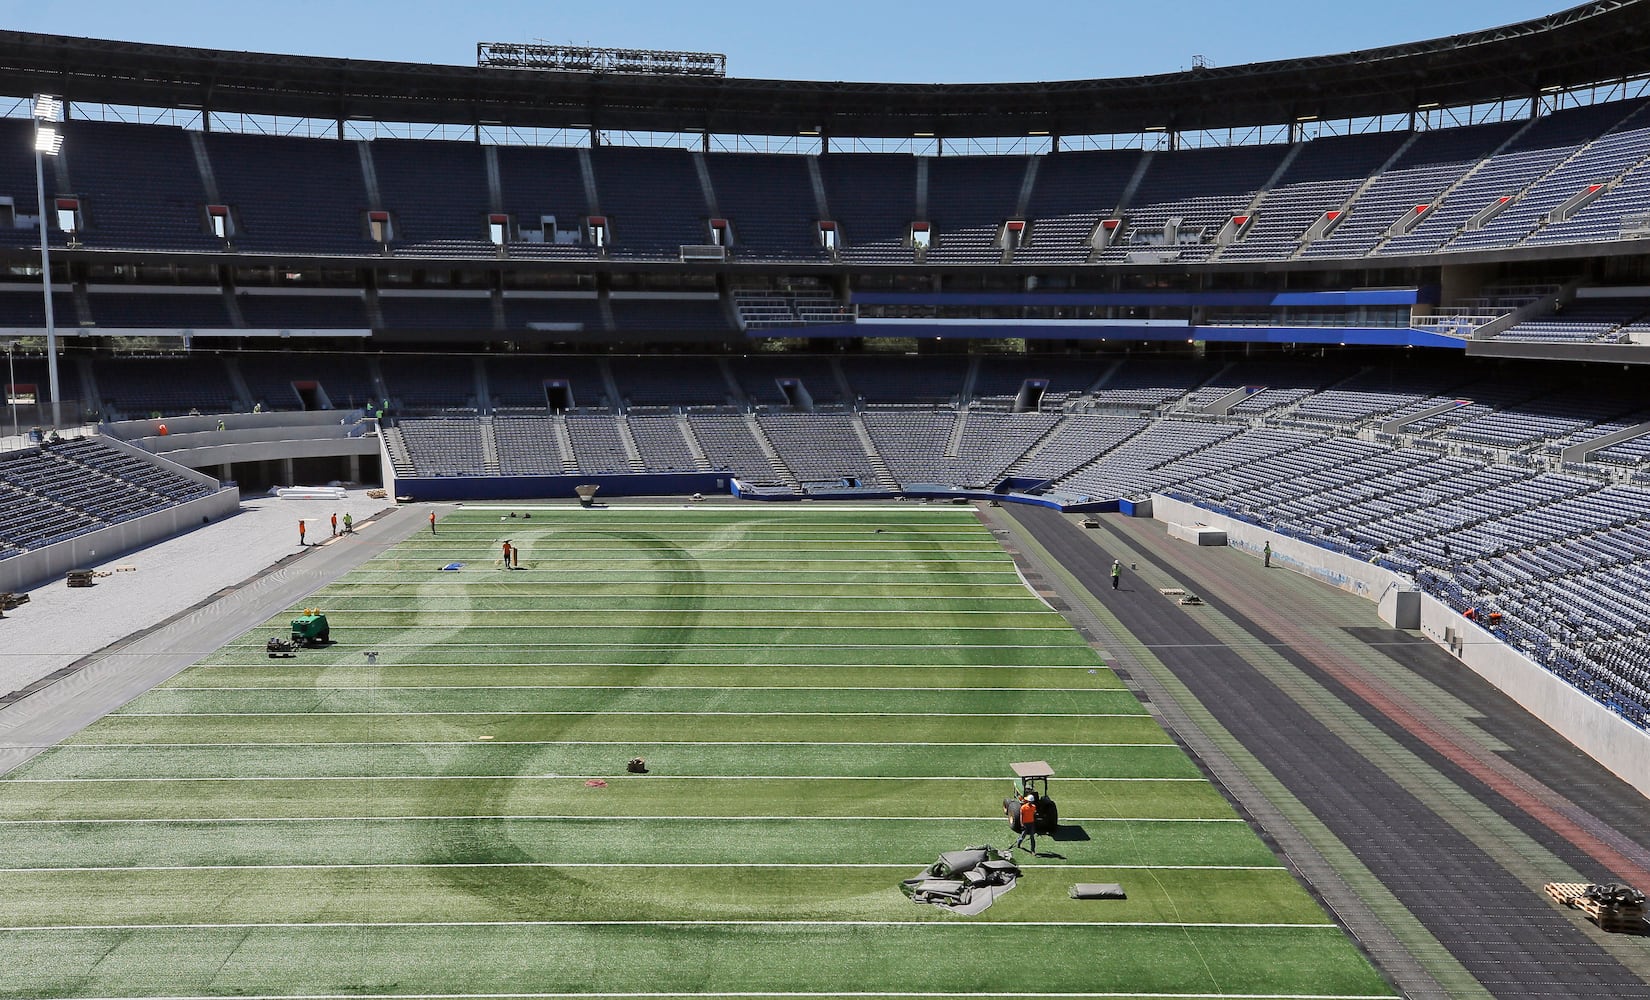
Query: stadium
point(714, 494)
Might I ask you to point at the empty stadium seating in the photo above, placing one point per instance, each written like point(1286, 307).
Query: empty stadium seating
point(52, 493)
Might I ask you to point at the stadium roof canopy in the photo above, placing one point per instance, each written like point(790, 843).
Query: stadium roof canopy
point(1592, 43)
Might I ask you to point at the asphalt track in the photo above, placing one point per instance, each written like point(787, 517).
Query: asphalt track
point(1420, 829)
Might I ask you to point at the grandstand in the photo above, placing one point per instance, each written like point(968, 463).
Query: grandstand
point(1396, 334)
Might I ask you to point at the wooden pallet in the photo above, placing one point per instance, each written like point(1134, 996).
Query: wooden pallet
point(1611, 919)
point(1566, 893)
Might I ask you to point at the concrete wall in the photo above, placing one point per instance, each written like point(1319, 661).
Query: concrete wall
point(440, 488)
point(41, 565)
point(1598, 732)
point(131, 429)
point(212, 456)
point(1355, 576)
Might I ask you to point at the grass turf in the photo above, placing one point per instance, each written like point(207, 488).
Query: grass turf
point(827, 700)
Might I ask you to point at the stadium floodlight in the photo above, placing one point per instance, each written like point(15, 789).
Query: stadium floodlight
point(47, 140)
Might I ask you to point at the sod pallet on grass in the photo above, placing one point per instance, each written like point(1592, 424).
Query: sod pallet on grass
point(827, 699)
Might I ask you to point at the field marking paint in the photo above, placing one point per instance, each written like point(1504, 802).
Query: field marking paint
point(652, 778)
point(373, 865)
point(351, 925)
point(311, 689)
point(469, 668)
point(554, 818)
point(753, 995)
point(675, 647)
point(1166, 744)
point(640, 714)
point(698, 610)
point(795, 628)
point(519, 584)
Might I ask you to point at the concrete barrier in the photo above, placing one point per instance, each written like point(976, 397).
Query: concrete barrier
point(1601, 734)
point(1344, 572)
point(1615, 743)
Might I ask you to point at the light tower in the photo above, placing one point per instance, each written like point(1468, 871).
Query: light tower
point(48, 141)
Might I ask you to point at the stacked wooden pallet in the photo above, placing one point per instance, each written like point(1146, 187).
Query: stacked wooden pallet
point(1616, 909)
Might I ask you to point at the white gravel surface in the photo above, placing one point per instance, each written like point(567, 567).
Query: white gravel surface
point(60, 625)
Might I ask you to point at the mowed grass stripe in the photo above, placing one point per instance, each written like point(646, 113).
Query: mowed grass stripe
point(938, 957)
point(484, 840)
point(713, 636)
point(640, 729)
point(759, 657)
point(795, 604)
point(304, 674)
point(267, 896)
point(560, 796)
point(478, 584)
point(638, 700)
point(890, 762)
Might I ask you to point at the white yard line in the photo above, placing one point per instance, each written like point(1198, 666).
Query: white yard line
point(374, 865)
point(650, 714)
point(1165, 745)
point(562, 777)
point(599, 817)
point(262, 667)
point(311, 689)
point(351, 925)
point(774, 996)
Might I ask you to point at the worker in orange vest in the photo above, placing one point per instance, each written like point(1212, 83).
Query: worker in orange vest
point(506, 554)
point(300, 533)
point(432, 522)
point(1028, 821)
point(335, 524)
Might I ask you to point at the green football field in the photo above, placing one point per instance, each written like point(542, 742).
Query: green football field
point(827, 699)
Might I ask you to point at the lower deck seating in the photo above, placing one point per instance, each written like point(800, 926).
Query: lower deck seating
point(56, 491)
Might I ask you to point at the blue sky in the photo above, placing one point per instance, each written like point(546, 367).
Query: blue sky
point(881, 40)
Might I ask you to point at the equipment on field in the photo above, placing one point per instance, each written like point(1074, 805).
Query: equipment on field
point(964, 882)
point(279, 648)
point(1031, 778)
point(637, 765)
point(310, 629)
point(586, 495)
point(80, 578)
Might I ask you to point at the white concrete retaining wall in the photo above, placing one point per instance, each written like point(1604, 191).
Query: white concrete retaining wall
point(1347, 573)
point(1598, 732)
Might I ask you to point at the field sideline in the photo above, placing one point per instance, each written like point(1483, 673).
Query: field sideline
point(827, 698)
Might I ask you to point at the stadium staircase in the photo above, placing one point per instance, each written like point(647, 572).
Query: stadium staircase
point(632, 454)
point(489, 446)
point(1443, 195)
point(1265, 189)
point(1351, 202)
point(878, 465)
point(564, 444)
point(694, 448)
point(782, 472)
